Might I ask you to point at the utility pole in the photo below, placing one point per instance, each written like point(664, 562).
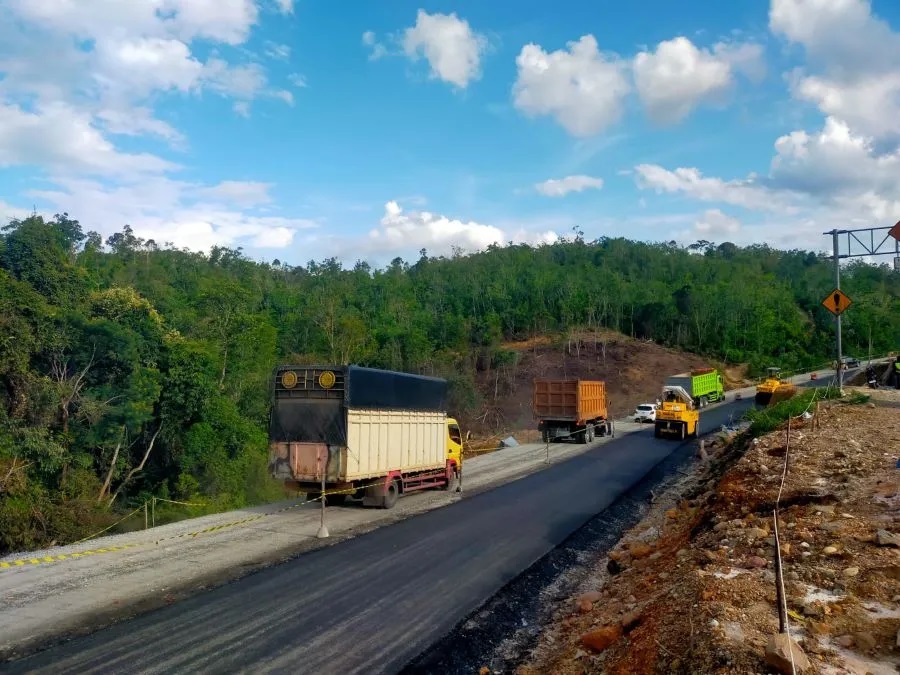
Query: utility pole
point(839, 373)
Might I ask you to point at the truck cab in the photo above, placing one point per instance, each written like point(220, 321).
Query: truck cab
point(454, 445)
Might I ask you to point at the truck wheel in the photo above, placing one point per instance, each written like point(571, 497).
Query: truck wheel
point(683, 430)
point(704, 401)
point(391, 495)
point(453, 481)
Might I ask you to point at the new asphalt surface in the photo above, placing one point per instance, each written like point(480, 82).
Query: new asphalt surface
point(372, 603)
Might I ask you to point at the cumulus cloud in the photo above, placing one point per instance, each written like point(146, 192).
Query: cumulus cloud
point(74, 76)
point(285, 6)
point(853, 57)
point(453, 50)
point(187, 215)
point(376, 49)
point(64, 139)
point(692, 183)
point(560, 187)
point(673, 80)
point(713, 223)
point(579, 87)
point(402, 231)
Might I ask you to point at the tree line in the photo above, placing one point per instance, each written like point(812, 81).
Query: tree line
point(131, 370)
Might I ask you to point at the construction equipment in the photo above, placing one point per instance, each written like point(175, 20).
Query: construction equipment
point(774, 388)
point(571, 409)
point(704, 385)
point(676, 415)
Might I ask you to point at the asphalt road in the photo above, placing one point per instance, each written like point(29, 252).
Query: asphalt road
point(372, 603)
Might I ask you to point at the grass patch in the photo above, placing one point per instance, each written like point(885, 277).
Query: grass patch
point(765, 420)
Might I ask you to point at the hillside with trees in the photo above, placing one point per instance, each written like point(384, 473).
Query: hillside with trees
point(131, 369)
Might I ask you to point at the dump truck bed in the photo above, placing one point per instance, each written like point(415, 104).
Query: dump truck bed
point(571, 400)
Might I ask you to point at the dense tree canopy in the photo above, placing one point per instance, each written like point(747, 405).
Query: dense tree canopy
point(136, 370)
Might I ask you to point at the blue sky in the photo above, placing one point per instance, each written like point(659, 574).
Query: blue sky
point(300, 129)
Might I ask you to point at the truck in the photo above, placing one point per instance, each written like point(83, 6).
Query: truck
point(705, 385)
point(676, 414)
point(571, 409)
point(361, 433)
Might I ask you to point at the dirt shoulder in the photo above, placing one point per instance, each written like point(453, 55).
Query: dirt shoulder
point(692, 587)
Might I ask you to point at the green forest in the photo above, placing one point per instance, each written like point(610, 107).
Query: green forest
point(131, 370)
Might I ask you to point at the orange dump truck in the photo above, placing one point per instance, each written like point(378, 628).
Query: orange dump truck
point(571, 409)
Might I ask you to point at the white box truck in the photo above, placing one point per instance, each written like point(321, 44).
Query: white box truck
point(371, 434)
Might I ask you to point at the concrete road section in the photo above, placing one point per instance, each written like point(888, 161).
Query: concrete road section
point(373, 602)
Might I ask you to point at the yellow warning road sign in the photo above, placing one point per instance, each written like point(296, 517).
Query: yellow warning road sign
point(837, 302)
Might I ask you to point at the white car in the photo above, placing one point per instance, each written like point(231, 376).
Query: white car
point(645, 412)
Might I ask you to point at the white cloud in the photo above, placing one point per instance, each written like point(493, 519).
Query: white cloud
point(713, 223)
point(401, 231)
point(240, 193)
point(854, 57)
point(560, 187)
point(285, 6)
point(138, 121)
point(834, 162)
point(747, 58)
point(691, 182)
point(76, 75)
point(297, 80)
point(228, 21)
point(64, 139)
point(577, 86)
point(816, 182)
point(189, 216)
point(678, 77)
point(277, 51)
point(377, 49)
point(453, 50)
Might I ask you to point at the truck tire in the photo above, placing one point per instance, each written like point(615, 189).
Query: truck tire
point(453, 482)
point(391, 495)
point(683, 430)
point(704, 401)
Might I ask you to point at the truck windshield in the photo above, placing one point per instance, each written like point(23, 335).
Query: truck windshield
point(455, 434)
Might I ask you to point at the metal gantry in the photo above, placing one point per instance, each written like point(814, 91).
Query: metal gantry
point(860, 243)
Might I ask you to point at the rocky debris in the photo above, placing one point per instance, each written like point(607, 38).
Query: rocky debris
point(692, 589)
point(885, 538)
point(601, 639)
point(785, 655)
point(631, 619)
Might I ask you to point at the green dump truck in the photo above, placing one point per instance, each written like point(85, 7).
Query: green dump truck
point(705, 386)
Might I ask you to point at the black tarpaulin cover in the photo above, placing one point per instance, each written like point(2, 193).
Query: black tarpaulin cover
point(300, 414)
point(308, 421)
point(385, 389)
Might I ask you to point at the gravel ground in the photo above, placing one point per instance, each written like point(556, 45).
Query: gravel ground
point(694, 587)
